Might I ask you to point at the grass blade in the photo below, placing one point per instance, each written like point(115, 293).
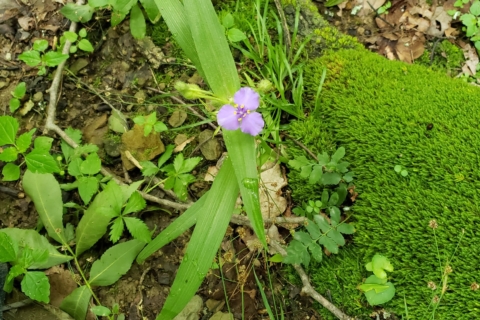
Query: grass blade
point(212, 222)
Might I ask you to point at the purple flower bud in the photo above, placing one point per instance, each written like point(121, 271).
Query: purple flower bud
point(241, 114)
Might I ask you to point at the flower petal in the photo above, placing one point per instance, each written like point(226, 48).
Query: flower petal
point(248, 98)
point(227, 117)
point(252, 124)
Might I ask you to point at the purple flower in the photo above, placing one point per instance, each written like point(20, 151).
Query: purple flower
point(241, 114)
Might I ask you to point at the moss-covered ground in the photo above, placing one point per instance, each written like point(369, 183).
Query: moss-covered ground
point(387, 113)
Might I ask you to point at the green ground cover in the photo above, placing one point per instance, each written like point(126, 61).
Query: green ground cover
point(387, 113)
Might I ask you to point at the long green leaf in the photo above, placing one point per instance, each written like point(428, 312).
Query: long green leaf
point(94, 222)
point(45, 192)
point(76, 303)
point(241, 148)
point(35, 241)
point(174, 15)
point(114, 263)
point(212, 47)
point(209, 231)
point(175, 229)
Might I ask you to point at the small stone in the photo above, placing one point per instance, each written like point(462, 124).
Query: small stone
point(222, 316)
point(181, 138)
point(213, 305)
point(209, 145)
point(3, 84)
point(360, 31)
point(161, 86)
point(38, 97)
point(195, 79)
point(8, 56)
point(178, 118)
point(112, 147)
point(164, 278)
point(78, 65)
point(140, 96)
point(191, 310)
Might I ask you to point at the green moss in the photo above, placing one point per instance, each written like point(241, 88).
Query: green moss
point(381, 112)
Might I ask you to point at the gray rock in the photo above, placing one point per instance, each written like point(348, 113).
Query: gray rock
point(178, 118)
point(191, 310)
point(112, 147)
point(209, 145)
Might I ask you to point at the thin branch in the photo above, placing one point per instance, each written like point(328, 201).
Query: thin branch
point(286, 31)
point(307, 287)
point(301, 145)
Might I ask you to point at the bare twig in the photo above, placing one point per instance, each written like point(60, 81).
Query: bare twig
point(307, 287)
point(286, 31)
point(187, 106)
point(301, 145)
point(12, 192)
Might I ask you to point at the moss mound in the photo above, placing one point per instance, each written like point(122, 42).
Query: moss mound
point(386, 114)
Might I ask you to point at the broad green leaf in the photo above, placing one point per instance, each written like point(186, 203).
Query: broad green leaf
point(313, 229)
point(135, 203)
point(325, 196)
point(117, 122)
point(91, 165)
point(43, 143)
point(8, 248)
point(128, 190)
point(85, 148)
point(189, 164)
point(334, 214)
point(346, 228)
point(36, 286)
point(235, 35)
point(241, 148)
point(323, 159)
point(77, 13)
point(116, 230)
point(337, 237)
point(98, 3)
point(176, 228)
point(138, 27)
point(151, 10)
point(87, 187)
point(228, 21)
point(117, 17)
point(74, 167)
point(276, 258)
point(178, 162)
point(70, 36)
point(303, 237)
point(331, 178)
point(138, 229)
point(19, 90)
point(114, 263)
point(379, 265)
point(316, 251)
point(329, 244)
point(181, 183)
point(101, 311)
point(175, 17)
point(14, 272)
point(8, 130)
point(169, 183)
point(213, 220)
point(316, 174)
point(166, 155)
point(53, 58)
point(31, 58)
point(123, 6)
point(41, 162)
point(338, 155)
point(25, 140)
point(297, 254)
point(475, 8)
point(35, 241)
point(160, 126)
point(299, 162)
point(375, 298)
point(11, 172)
point(306, 171)
point(213, 50)
point(45, 192)
point(14, 104)
point(9, 154)
point(85, 45)
point(76, 303)
point(331, 3)
point(40, 45)
point(322, 223)
point(94, 222)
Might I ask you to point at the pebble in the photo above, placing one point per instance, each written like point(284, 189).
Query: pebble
point(38, 97)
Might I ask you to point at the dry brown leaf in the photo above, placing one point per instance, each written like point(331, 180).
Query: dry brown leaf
point(471, 57)
point(182, 146)
point(272, 181)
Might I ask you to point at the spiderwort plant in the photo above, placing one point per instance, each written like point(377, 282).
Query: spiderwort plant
point(242, 114)
point(196, 28)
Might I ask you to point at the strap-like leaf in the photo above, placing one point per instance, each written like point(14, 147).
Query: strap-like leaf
point(76, 303)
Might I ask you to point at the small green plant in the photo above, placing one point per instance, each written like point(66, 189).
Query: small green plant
point(41, 58)
point(326, 171)
point(18, 93)
point(378, 290)
point(233, 34)
point(120, 9)
point(37, 160)
point(401, 170)
point(321, 231)
point(470, 20)
point(177, 174)
point(329, 202)
point(150, 123)
point(384, 9)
